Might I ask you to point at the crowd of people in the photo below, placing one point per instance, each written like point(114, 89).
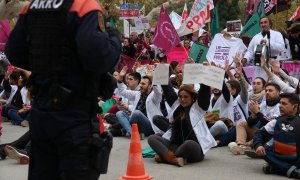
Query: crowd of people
point(184, 121)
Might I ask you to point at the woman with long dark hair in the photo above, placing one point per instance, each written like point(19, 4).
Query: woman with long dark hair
point(188, 139)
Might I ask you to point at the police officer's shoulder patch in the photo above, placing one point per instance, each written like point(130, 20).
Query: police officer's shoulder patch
point(101, 22)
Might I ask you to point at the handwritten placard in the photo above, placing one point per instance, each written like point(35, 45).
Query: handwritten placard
point(161, 74)
point(213, 77)
point(192, 73)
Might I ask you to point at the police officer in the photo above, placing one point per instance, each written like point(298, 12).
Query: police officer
point(66, 47)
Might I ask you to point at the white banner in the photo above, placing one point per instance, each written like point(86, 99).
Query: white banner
point(199, 15)
point(141, 23)
point(192, 73)
point(208, 75)
point(161, 75)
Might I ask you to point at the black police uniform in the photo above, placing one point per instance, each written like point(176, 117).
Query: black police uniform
point(62, 44)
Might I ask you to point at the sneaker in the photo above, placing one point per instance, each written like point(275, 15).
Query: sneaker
point(239, 150)
point(25, 123)
point(296, 174)
point(268, 169)
point(232, 144)
point(252, 154)
point(14, 154)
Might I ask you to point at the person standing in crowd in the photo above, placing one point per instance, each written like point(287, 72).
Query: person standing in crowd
point(128, 48)
point(67, 48)
point(268, 37)
point(294, 40)
point(282, 155)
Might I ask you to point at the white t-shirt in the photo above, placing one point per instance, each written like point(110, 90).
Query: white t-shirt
point(270, 112)
point(222, 49)
point(240, 110)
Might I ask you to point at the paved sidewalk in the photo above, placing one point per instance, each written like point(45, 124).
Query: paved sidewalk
point(219, 164)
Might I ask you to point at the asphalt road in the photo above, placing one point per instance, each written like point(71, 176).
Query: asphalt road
point(219, 163)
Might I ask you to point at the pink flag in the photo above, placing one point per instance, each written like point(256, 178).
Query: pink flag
point(126, 61)
point(184, 14)
point(4, 33)
point(165, 36)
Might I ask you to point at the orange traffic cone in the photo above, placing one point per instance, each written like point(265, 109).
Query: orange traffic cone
point(135, 165)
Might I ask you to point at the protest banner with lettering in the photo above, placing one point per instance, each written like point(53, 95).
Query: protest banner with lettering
point(141, 23)
point(234, 27)
point(198, 52)
point(293, 68)
point(192, 73)
point(213, 77)
point(177, 54)
point(199, 15)
point(222, 49)
point(161, 75)
point(4, 33)
point(129, 11)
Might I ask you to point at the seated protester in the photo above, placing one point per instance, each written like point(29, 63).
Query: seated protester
point(146, 105)
point(240, 110)
point(220, 112)
point(10, 78)
point(21, 116)
point(189, 138)
point(261, 114)
point(122, 103)
point(18, 149)
point(18, 94)
point(273, 78)
point(162, 122)
point(283, 155)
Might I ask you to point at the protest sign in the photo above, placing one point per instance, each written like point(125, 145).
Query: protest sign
point(161, 75)
point(292, 67)
point(222, 49)
point(198, 52)
point(129, 11)
point(141, 23)
point(126, 61)
point(213, 77)
point(192, 73)
point(249, 71)
point(177, 54)
point(234, 27)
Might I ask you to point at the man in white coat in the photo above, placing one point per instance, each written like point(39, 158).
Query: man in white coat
point(146, 105)
point(269, 37)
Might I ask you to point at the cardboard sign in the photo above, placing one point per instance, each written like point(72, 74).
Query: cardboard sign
point(161, 74)
point(234, 27)
point(192, 73)
point(213, 77)
point(208, 75)
point(141, 23)
point(198, 52)
point(142, 70)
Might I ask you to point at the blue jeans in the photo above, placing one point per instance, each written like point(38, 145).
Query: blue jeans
point(280, 166)
point(228, 137)
point(16, 117)
point(137, 117)
point(218, 129)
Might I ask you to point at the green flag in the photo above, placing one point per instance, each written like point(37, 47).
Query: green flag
point(215, 26)
point(112, 23)
point(198, 52)
point(252, 27)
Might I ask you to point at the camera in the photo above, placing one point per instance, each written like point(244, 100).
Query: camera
point(259, 50)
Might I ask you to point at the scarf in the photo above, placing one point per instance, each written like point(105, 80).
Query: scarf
point(257, 97)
